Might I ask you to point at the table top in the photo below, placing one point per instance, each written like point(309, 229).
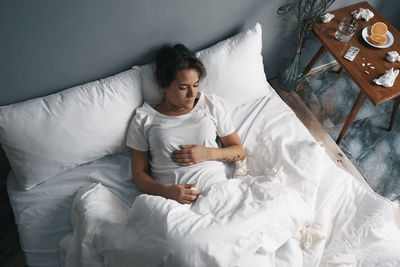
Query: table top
point(376, 56)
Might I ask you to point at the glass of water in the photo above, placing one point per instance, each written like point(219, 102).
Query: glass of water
point(347, 28)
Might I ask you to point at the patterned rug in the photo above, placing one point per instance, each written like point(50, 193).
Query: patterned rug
point(373, 150)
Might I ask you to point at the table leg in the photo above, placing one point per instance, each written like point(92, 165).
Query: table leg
point(354, 110)
point(317, 56)
point(395, 108)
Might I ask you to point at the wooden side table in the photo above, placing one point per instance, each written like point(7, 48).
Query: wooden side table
point(376, 94)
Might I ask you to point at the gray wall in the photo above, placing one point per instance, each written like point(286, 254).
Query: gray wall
point(49, 45)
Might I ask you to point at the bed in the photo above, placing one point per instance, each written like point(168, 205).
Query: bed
point(75, 150)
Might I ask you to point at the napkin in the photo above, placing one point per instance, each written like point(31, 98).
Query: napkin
point(241, 168)
point(388, 78)
point(363, 13)
point(327, 17)
point(393, 56)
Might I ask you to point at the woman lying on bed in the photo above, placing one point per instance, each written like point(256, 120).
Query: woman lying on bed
point(171, 143)
point(308, 213)
point(174, 149)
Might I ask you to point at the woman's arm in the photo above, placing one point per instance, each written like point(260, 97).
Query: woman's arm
point(193, 154)
point(232, 150)
point(140, 172)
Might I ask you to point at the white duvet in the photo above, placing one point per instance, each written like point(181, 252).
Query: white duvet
point(293, 208)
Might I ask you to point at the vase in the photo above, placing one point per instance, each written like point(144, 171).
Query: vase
point(291, 76)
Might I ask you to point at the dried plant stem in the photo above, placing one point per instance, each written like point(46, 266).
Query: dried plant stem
point(307, 12)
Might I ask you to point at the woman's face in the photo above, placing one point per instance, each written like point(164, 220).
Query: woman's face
point(182, 92)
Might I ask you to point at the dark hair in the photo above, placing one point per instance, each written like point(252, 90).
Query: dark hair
point(172, 59)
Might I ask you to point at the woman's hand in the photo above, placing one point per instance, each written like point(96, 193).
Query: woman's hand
point(190, 154)
point(182, 193)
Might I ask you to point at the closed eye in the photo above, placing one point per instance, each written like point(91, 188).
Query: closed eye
point(183, 86)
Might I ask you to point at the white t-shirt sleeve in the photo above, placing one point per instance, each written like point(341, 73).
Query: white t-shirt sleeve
point(136, 137)
point(223, 119)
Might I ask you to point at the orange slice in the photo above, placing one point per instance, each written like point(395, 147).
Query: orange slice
point(379, 28)
point(378, 39)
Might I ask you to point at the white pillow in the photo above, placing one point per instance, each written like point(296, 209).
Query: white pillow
point(235, 71)
point(46, 136)
point(151, 91)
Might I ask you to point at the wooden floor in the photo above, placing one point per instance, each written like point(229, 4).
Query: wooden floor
point(319, 133)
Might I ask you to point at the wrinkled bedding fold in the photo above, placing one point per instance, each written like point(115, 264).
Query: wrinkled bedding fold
point(294, 208)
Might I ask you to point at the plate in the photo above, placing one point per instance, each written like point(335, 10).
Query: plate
point(388, 35)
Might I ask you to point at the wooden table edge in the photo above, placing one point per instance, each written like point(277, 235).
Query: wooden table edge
point(331, 148)
point(318, 131)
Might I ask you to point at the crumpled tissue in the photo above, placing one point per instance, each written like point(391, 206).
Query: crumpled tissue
point(388, 78)
point(241, 168)
point(363, 13)
point(393, 56)
point(327, 17)
point(308, 236)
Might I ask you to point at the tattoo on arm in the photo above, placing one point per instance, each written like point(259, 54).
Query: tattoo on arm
point(226, 159)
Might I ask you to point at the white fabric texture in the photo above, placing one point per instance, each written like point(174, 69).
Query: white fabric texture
point(44, 213)
point(235, 71)
point(49, 135)
point(227, 225)
point(103, 211)
point(312, 214)
point(162, 134)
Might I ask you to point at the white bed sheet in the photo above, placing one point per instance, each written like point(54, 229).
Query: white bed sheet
point(350, 226)
point(43, 215)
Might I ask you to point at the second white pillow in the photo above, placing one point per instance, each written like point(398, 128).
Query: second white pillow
point(235, 71)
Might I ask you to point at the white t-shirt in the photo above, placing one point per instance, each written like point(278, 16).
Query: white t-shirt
point(161, 134)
